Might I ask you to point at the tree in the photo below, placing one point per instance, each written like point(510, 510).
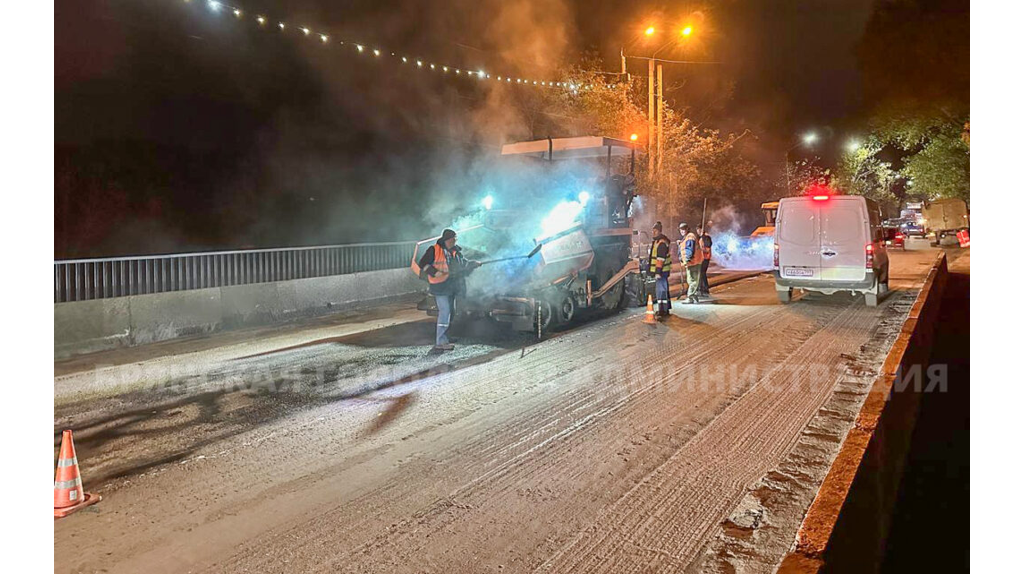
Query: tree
point(696, 161)
point(921, 99)
point(942, 169)
point(803, 174)
point(862, 172)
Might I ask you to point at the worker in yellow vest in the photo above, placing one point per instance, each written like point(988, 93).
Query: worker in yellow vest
point(691, 257)
point(660, 262)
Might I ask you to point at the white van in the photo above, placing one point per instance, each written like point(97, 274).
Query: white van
point(830, 243)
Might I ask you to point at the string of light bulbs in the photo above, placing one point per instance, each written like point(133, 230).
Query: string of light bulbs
point(264, 22)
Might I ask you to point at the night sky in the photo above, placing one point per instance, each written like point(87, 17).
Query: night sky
point(179, 129)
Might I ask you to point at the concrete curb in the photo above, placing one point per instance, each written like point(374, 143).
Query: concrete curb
point(846, 525)
point(82, 327)
point(675, 289)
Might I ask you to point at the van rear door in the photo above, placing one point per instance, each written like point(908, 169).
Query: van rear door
point(844, 236)
point(798, 229)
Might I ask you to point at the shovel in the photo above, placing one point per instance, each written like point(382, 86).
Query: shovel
point(533, 252)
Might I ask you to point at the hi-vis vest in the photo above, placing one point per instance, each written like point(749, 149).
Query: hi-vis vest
point(667, 266)
point(441, 264)
point(706, 250)
point(698, 252)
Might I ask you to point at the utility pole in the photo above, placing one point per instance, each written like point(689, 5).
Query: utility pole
point(650, 118)
point(661, 111)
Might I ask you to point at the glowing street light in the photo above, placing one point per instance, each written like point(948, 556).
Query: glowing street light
point(807, 139)
point(633, 137)
point(852, 146)
point(686, 31)
point(488, 202)
point(649, 31)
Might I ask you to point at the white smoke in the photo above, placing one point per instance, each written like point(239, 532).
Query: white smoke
point(742, 252)
point(732, 246)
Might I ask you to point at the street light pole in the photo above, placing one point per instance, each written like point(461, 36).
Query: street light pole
point(661, 110)
point(650, 118)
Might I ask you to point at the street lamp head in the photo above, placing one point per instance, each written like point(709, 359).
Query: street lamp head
point(649, 31)
point(686, 31)
point(633, 137)
point(810, 137)
point(852, 146)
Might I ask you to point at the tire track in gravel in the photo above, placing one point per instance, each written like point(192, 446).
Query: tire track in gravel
point(664, 520)
point(466, 493)
point(466, 449)
point(522, 427)
point(475, 458)
point(274, 465)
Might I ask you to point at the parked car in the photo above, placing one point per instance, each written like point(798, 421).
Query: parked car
point(894, 237)
point(911, 228)
point(830, 243)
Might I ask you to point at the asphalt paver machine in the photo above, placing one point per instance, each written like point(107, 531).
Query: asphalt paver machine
point(561, 241)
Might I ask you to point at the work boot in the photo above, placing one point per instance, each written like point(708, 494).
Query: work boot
point(445, 347)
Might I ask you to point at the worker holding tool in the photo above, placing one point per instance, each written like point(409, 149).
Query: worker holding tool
point(704, 289)
point(661, 266)
point(445, 269)
point(691, 257)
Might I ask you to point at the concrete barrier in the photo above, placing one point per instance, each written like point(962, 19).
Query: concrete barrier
point(101, 324)
point(90, 326)
point(845, 527)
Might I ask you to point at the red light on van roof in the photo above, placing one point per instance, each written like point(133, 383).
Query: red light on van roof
point(820, 197)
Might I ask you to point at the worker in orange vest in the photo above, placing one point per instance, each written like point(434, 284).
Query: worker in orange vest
point(691, 257)
point(437, 266)
point(705, 246)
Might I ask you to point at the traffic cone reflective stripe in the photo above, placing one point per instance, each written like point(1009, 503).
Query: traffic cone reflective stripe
point(68, 495)
point(649, 317)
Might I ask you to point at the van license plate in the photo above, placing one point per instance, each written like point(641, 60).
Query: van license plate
point(799, 272)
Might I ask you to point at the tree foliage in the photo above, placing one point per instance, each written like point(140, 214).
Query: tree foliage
point(942, 168)
point(696, 161)
point(920, 99)
point(862, 172)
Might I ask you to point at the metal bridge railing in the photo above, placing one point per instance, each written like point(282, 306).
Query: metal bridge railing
point(85, 279)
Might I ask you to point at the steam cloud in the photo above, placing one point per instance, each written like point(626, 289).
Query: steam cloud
point(732, 246)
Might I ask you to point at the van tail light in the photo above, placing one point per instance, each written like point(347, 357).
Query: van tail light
point(869, 256)
point(775, 257)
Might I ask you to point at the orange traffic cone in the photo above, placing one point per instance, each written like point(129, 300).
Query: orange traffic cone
point(649, 318)
point(68, 495)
